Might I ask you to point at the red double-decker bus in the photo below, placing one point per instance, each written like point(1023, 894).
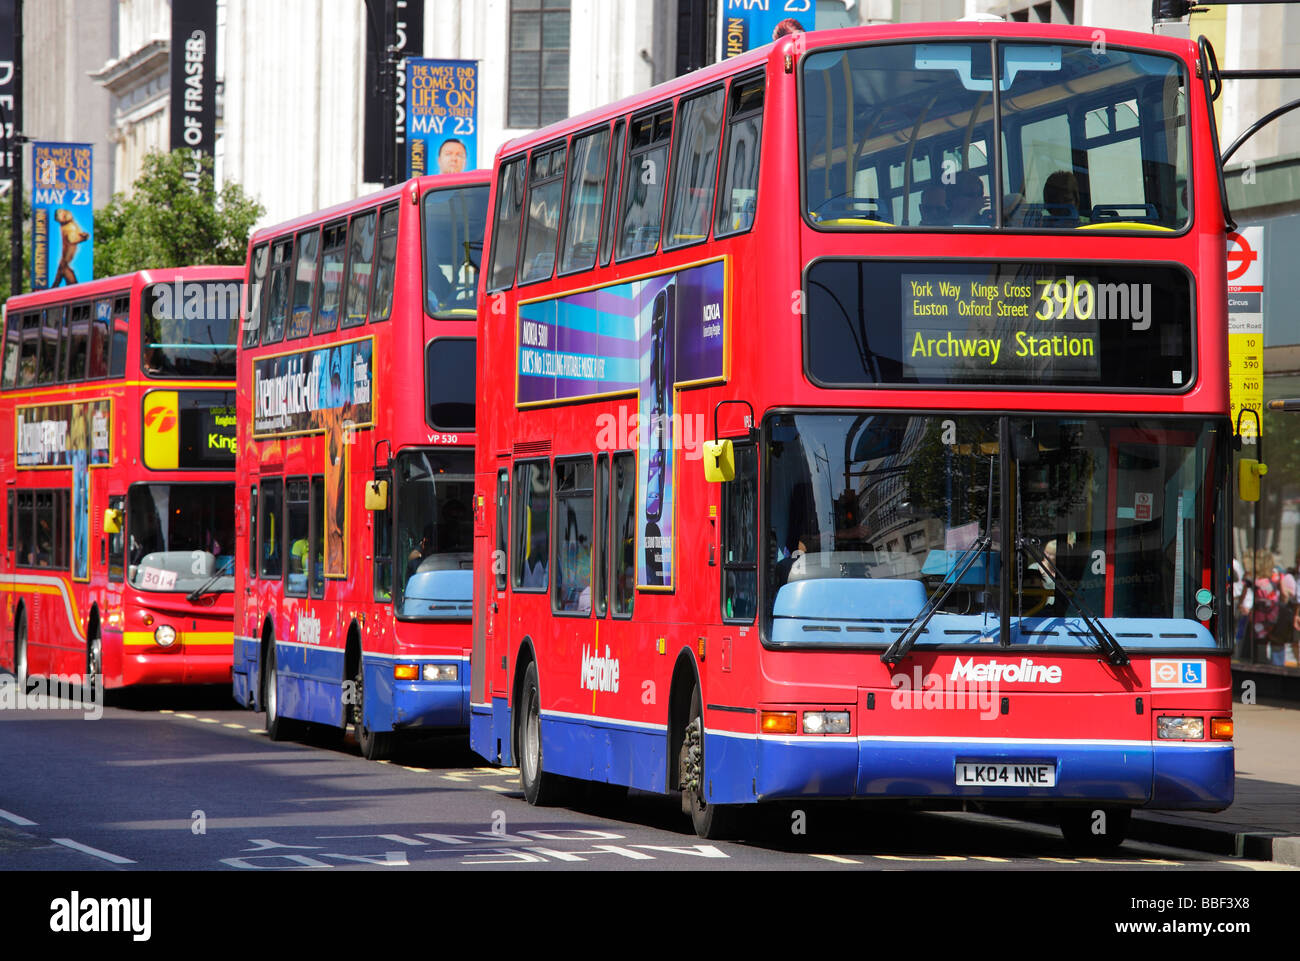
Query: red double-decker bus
point(118, 408)
point(355, 467)
point(867, 434)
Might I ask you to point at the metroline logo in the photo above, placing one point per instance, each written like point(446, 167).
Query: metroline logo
point(991, 672)
point(599, 673)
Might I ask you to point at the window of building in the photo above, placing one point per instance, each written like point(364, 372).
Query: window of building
point(539, 63)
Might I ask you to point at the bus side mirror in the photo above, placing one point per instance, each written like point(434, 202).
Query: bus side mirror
point(719, 461)
point(112, 521)
point(377, 495)
point(1248, 474)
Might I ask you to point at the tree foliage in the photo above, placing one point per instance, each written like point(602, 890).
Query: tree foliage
point(6, 205)
point(169, 222)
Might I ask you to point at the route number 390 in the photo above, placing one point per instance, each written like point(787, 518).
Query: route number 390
point(1065, 299)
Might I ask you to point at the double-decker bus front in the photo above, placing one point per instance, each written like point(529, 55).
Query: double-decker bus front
point(998, 507)
point(963, 534)
point(140, 397)
point(356, 463)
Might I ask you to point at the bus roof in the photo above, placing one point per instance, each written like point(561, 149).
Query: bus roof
point(468, 178)
point(799, 44)
point(110, 285)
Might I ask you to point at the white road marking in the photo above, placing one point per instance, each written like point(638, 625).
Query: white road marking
point(93, 852)
point(836, 858)
point(208, 720)
point(190, 716)
point(16, 819)
point(237, 727)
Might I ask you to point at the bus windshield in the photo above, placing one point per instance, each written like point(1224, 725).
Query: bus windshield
point(181, 537)
point(434, 491)
point(190, 328)
point(871, 514)
point(453, 248)
point(900, 135)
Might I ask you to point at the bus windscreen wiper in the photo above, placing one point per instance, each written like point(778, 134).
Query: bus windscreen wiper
point(1105, 639)
point(206, 587)
point(916, 626)
point(898, 650)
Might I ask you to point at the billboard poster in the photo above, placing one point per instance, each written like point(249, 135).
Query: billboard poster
point(442, 116)
point(747, 24)
point(194, 81)
point(650, 337)
point(7, 93)
point(63, 224)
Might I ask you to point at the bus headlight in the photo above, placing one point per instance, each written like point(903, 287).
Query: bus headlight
point(164, 635)
point(441, 672)
point(826, 722)
point(1180, 728)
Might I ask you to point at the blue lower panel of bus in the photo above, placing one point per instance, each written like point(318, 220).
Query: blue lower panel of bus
point(596, 750)
point(1158, 776)
point(747, 768)
point(311, 688)
point(243, 669)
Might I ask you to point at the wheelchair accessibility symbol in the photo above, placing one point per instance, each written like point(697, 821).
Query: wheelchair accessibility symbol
point(1177, 673)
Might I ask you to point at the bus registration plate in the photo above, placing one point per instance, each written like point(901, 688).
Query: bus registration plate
point(978, 773)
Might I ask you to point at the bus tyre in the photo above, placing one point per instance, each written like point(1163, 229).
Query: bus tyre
point(1084, 831)
point(94, 661)
point(711, 821)
point(20, 651)
point(539, 787)
point(374, 745)
point(277, 728)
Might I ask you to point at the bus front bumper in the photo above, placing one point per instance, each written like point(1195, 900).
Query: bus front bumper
point(1158, 775)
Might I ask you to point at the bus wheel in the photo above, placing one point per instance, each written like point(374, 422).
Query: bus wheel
point(1103, 829)
point(539, 787)
point(277, 728)
point(711, 821)
point(20, 651)
point(375, 745)
point(94, 660)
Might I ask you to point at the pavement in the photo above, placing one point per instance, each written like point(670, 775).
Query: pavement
point(1263, 822)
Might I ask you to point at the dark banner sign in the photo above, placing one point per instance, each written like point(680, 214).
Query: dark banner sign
point(194, 79)
point(7, 93)
point(408, 34)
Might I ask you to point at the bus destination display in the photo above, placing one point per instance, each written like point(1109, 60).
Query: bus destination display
point(1079, 324)
point(1009, 326)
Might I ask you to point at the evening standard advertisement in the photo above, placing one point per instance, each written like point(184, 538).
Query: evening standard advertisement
point(311, 391)
point(442, 116)
point(63, 226)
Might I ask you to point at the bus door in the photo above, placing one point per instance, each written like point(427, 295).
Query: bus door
point(491, 529)
point(736, 574)
point(1151, 537)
